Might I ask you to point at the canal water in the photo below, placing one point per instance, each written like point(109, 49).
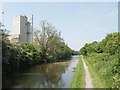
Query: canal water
point(53, 75)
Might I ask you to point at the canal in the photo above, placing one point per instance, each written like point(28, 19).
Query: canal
point(53, 75)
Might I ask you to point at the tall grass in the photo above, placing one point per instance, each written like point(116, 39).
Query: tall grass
point(78, 80)
point(103, 69)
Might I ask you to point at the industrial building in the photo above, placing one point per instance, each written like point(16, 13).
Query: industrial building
point(22, 29)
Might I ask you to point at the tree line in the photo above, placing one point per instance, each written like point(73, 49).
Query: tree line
point(47, 47)
point(103, 56)
point(107, 45)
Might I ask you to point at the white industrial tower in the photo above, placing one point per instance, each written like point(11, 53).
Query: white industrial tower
point(22, 29)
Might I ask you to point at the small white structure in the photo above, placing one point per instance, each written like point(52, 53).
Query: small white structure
point(22, 29)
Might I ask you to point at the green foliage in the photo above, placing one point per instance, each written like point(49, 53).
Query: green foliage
point(103, 58)
point(106, 68)
point(49, 41)
point(108, 45)
point(47, 47)
point(19, 55)
point(97, 81)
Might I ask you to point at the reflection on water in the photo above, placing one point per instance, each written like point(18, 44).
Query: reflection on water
point(55, 75)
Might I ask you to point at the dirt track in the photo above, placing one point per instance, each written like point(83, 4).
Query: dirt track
point(87, 77)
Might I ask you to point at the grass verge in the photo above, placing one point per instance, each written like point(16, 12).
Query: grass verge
point(78, 80)
point(102, 68)
point(96, 80)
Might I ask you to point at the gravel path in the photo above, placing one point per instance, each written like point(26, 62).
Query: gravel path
point(87, 78)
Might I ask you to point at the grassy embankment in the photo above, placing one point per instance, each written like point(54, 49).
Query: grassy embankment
point(102, 60)
point(103, 71)
point(78, 80)
point(96, 80)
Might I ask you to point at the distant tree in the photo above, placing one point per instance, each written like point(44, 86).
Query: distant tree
point(108, 45)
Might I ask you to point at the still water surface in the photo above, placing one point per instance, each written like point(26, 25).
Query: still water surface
point(54, 75)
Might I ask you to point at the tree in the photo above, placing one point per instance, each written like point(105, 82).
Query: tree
point(48, 39)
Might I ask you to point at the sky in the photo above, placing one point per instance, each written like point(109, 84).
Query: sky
point(79, 22)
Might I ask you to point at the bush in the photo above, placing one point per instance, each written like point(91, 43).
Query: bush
point(103, 57)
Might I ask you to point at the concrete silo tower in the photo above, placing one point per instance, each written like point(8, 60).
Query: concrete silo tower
point(22, 29)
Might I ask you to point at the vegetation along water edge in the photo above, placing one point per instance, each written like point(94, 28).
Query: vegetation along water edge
point(102, 61)
point(78, 80)
point(47, 46)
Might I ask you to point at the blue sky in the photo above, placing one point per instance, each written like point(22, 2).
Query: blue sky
point(79, 22)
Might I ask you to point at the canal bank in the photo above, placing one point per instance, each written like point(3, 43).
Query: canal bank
point(78, 80)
